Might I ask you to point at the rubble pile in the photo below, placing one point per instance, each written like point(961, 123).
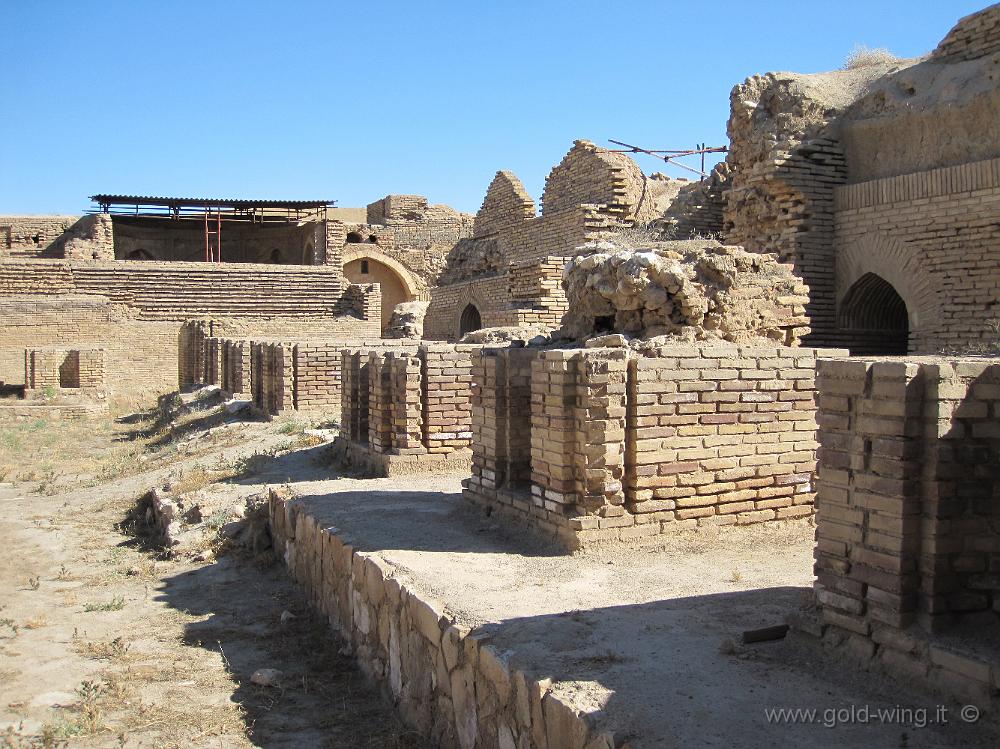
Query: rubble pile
point(407, 320)
point(686, 290)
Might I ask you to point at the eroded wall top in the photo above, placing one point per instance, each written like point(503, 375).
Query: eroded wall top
point(506, 203)
point(591, 175)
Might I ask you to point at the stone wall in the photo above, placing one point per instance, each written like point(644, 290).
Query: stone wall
point(448, 683)
point(624, 447)
point(907, 539)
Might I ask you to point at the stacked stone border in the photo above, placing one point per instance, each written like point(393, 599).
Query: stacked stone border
point(907, 550)
point(447, 682)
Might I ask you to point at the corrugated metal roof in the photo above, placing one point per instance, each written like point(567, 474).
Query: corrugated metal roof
point(151, 200)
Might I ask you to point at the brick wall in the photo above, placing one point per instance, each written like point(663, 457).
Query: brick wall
point(934, 236)
point(56, 236)
point(406, 400)
point(141, 355)
point(974, 36)
point(81, 369)
point(506, 204)
point(625, 447)
point(906, 525)
point(588, 174)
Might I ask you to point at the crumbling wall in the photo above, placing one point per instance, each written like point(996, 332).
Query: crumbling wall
point(692, 290)
point(696, 211)
point(507, 203)
point(408, 321)
point(786, 159)
point(592, 175)
point(974, 36)
point(78, 237)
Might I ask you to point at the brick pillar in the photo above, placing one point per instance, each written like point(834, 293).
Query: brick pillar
point(488, 419)
point(379, 402)
point(553, 431)
point(601, 424)
point(406, 385)
point(868, 492)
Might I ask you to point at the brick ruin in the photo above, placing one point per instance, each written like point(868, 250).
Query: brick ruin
point(679, 384)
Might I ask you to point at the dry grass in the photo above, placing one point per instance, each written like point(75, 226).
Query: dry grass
point(865, 57)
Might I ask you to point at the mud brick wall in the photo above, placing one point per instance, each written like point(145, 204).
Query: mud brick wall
point(273, 376)
point(506, 203)
point(446, 383)
point(934, 236)
point(141, 355)
point(906, 483)
point(236, 367)
point(626, 446)
point(213, 360)
point(408, 399)
point(317, 375)
point(588, 174)
point(380, 402)
point(906, 513)
point(976, 35)
point(85, 238)
point(501, 421)
point(181, 291)
point(57, 368)
point(403, 638)
point(491, 296)
point(722, 435)
point(92, 369)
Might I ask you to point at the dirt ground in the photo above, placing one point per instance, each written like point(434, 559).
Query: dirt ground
point(107, 643)
point(106, 640)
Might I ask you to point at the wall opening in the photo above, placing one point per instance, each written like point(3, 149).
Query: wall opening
point(394, 289)
point(470, 320)
point(604, 324)
point(873, 318)
point(139, 255)
point(69, 370)
point(354, 237)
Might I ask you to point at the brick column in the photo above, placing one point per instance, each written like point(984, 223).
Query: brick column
point(405, 386)
point(553, 431)
point(868, 492)
point(379, 402)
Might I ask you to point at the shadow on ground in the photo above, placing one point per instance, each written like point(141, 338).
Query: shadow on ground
point(322, 700)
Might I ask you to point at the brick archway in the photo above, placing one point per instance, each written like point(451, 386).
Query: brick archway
point(899, 265)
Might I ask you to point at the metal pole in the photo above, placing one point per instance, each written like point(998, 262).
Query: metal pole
point(206, 236)
point(218, 234)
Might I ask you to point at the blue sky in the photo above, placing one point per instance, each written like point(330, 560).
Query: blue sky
point(353, 101)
